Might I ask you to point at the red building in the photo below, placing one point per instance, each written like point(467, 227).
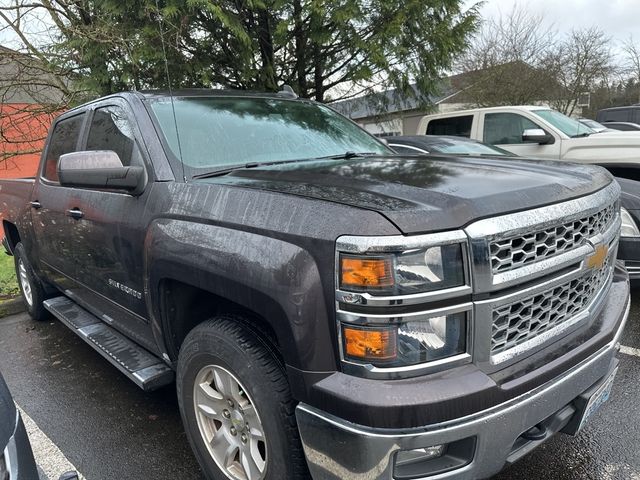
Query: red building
point(30, 97)
point(23, 128)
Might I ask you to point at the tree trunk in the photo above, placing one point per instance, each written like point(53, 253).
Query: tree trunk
point(301, 75)
point(317, 74)
point(265, 41)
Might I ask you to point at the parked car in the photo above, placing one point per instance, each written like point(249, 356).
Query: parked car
point(326, 306)
point(629, 250)
point(16, 456)
point(595, 126)
point(448, 145)
point(537, 132)
point(623, 126)
point(630, 113)
point(630, 234)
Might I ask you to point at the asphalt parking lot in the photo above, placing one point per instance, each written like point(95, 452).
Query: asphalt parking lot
point(82, 413)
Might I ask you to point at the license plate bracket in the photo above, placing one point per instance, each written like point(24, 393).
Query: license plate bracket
point(589, 403)
point(598, 399)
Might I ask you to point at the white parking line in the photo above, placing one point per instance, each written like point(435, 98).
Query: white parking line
point(51, 461)
point(630, 351)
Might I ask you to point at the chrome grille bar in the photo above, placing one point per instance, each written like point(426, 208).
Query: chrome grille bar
point(516, 323)
point(515, 252)
point(587, 220)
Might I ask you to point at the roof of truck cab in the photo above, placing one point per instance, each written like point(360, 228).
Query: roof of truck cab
point(489, 109)
point(190, 92)
point(211, 92)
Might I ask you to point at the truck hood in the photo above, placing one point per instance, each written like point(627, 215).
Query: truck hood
point(604, 148)
point(427, 194)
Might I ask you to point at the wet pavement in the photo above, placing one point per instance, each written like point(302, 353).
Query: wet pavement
point(110, 429)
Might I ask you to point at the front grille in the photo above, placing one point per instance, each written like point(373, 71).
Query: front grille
point(525, 319)
point(515, 252)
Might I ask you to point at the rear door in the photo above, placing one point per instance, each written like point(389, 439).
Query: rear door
point(112, 227)
point(51, 203)
point(505, 129)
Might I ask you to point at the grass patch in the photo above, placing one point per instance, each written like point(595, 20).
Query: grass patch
point(8, 282)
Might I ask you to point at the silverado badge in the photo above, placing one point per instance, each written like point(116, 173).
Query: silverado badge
point(599, 257)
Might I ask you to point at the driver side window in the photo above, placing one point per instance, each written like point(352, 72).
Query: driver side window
point(111, 130)
point(506, 128)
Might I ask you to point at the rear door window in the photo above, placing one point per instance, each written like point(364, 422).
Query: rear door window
point(111, 130)
point(506, 128)
point(457, 126)
point(64, 139)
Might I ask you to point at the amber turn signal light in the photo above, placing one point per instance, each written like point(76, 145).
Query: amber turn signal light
point(370, 344)
point(363, 272)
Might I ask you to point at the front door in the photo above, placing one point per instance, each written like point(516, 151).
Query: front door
point(505, 130)
point(112, 227)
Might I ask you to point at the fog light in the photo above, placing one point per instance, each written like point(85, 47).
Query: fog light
point(419, 454)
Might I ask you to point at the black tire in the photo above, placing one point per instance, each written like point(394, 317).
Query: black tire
point(35, 307)
point(227, 342)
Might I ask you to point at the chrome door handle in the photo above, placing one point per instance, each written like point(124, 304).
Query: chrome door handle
point(75, 213)
point(35, 204)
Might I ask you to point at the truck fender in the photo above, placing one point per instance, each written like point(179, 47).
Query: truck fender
point(275, 279)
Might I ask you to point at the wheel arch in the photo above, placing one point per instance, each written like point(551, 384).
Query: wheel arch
point(184, 306)
point(11, 235)
point(208, 269)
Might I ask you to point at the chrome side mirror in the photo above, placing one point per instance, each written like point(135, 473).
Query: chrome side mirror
point(537, 135)
point(99, 169)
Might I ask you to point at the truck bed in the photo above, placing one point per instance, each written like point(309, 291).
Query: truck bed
point(15, 194)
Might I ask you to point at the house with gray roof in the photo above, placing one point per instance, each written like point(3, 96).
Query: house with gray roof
point(389, 113)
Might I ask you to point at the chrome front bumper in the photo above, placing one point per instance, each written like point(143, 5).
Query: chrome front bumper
point(336, 449)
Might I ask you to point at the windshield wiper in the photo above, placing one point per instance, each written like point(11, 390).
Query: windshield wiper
point(347, 155)
point(224, 171)
point(242, 166)
point(581, 135)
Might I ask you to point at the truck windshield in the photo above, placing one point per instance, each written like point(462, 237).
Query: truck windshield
point(220, 132)
point(570, 127)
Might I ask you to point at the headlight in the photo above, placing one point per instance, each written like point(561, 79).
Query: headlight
point(412, 271)
point(413, 341)
point(397, 313)
point(629, 227)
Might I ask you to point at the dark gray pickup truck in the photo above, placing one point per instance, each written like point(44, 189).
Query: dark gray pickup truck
point(325, 307)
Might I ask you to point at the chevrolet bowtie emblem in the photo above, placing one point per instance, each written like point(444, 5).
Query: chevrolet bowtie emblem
point(599, 257)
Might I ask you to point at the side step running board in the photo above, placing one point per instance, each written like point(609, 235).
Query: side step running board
point(141, 366)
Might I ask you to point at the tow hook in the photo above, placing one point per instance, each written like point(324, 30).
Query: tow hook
point(539, 432)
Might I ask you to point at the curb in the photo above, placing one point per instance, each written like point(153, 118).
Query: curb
point(11, 307)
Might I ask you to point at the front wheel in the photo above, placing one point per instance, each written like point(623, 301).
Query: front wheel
point(33, 292)
point(236, 404)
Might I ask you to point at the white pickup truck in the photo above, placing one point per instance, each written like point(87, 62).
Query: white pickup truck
point(537, 131)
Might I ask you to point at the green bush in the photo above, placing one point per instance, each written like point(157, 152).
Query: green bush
point(8, 282)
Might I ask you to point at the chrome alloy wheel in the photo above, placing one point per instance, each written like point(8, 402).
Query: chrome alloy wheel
point(24, 282)
point(229, 424)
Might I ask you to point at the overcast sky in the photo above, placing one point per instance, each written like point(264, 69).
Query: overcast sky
point(617, 18)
